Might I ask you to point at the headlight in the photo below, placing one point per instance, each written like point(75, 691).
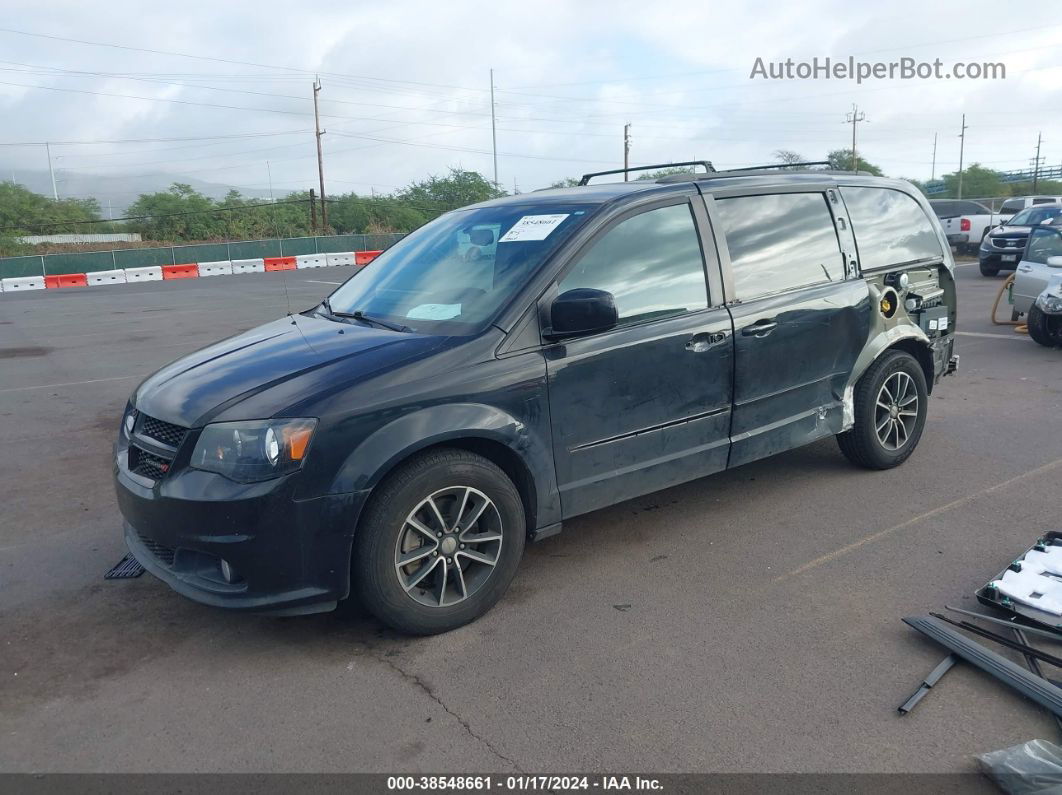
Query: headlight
point(254, 450)
point(1050, 303)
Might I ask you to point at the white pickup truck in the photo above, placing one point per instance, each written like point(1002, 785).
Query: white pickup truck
point(966, 222)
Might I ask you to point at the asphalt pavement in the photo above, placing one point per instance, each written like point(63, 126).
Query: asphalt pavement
point(745, 622)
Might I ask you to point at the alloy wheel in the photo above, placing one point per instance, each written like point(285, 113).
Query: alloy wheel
point(448, 546)
point(896, 410)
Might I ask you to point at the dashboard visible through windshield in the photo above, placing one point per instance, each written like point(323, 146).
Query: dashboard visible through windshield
point(455, 273)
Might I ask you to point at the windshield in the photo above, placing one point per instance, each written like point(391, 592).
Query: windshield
point(455, 273)
point(1034, 216)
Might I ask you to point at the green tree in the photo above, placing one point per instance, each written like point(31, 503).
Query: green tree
point(436, 195)
point(23, 212)
point(976, 181)
point(841, 160)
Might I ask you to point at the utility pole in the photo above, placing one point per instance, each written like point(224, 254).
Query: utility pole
point(269, 173)
point(933, 173)
point(493, 129)
point(320, 155)
point(1036, 166)
point(962, 147)
point(626, 150)
point(313, 212)
point(853, 118)
point(51, 171)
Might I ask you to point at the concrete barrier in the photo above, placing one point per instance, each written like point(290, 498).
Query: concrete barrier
point(188, 270)
point(346, 258)
point(19, 283)
point(65, 280)
point(248, 266)
point(97, 278)
point(279, 263)
point(218, 268)
point(149, 274)
point(365, 257)
point(311, 261)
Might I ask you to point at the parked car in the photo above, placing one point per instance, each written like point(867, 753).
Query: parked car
point(1003, 246)
point(399, 441)
point(1037, 291)
point(965, 223)
point(1012, 207)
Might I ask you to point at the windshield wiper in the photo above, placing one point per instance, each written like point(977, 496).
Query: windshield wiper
point(357, 314)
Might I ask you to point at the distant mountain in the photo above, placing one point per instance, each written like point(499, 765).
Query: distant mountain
point(116, 193)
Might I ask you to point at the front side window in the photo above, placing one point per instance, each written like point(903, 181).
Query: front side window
point(890, 228)
point(1044, 243)
point(651, 263)
point(779, 242)
point(1032, 217)
point(454, 274)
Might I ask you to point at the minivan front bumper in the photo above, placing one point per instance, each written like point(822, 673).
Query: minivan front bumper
point(260, 550)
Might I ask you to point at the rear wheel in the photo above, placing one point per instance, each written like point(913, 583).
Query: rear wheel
point(439, 542)
point(1043, 328)
point(891, 402)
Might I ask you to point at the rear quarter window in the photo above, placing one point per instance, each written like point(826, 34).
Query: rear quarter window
point(890, 228)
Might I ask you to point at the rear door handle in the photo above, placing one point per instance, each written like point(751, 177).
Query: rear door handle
point(704, 340)
point(761, 328)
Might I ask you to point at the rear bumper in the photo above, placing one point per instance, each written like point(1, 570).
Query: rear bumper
point(281, 555)
point(959, 238)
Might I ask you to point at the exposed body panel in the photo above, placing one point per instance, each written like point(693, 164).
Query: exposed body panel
point(790, 379)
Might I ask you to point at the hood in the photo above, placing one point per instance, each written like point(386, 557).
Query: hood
point(267, 361)
point(1004, 230)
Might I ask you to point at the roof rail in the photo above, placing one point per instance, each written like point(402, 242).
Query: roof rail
point(778, 165)
point(706, 164)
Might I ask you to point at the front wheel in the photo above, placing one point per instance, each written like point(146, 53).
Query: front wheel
point(439, 542)
point(988, 270)
point(1043, 328)
point(891, 402)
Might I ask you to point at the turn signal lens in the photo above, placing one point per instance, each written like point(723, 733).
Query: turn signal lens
point(297, 439)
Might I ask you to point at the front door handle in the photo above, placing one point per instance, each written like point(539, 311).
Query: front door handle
point(704, 340)
point(761, 328)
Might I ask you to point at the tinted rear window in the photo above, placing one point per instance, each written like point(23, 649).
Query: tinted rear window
point(1012, 206)
point(779, 242)
point(890, 227)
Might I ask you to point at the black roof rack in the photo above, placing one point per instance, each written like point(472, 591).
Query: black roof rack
point(778, 165)
point(706, 164)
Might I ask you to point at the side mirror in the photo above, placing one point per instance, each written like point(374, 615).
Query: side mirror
point(582, 311)
point(1046, 221)
point(1054, 262)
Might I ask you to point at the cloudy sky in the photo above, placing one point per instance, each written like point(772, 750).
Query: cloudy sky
point(215, 90)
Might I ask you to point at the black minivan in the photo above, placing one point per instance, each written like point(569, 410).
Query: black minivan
point(519, 362)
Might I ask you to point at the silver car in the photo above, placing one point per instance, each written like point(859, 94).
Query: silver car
point(1037, 291)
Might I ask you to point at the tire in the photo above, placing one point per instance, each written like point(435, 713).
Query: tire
point(898, 372)
point(988, 270)
point(1043, 328)
point(458, 482)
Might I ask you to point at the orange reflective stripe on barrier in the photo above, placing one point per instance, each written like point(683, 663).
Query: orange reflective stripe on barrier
point(66, 280)
point(279, 263)
point(365, 257)
point(180, 271)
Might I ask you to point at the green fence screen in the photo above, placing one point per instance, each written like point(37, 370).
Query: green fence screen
point(89, 261)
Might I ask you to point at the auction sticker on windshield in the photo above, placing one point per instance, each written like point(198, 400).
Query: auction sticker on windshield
point(533, 227)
